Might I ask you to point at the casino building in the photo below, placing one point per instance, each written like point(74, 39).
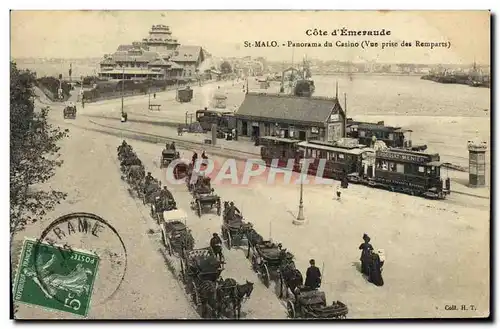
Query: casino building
point(159, 56)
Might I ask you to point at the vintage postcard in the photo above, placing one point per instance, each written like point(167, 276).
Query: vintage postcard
point(250, 164)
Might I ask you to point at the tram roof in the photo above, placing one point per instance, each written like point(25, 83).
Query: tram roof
point(355, 151)
point(279, 139)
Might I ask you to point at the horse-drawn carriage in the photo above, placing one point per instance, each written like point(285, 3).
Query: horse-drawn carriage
point(175, 235)
point(69, 112)
point(311, 304)
point(200, 270)
point(234, 229)
point(167, 156)
point(204, 196)
point(267, 257)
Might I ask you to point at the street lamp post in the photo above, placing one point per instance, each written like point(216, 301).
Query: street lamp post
point(123, 84)
point(300, 216)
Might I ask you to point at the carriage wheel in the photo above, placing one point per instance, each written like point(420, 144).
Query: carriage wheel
point(255, 266)
point(229, 241)
point(198, 206)
point(194, 294)
point(290, 309)
point(265, 275)
point(183, 273)
point(167, 243)
point(282, 283)
point(248, 252)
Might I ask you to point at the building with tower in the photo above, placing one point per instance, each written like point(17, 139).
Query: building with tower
point(159, 56)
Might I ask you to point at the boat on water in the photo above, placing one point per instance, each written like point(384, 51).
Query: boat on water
point(300, 80)
point(473, 78)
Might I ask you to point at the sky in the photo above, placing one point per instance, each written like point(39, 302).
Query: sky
point(80, 34)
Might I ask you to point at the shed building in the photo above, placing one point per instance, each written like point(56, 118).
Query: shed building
point(288, 116)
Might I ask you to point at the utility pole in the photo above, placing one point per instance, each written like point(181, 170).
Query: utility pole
point(345, 115)
point(149, 93)
point(123, 85)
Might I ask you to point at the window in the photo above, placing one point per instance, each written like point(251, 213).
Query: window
point(384, 165)
point(341, 156)
point(362, 133)
point(400, 168)
point(392, 166)
point(421, 169)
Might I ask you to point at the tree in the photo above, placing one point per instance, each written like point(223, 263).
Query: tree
point(225, 68)
point(34, 154)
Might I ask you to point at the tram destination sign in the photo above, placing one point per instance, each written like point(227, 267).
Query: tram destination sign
point(404, 156)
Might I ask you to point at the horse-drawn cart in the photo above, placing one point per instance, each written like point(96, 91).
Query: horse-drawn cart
point(200, 270)
point(311, 304)
point(184, 95)
point(267, 258)
point(234, 229)
point(175, 235)
point(69, 112)
point(204, 196)
point(167, 156)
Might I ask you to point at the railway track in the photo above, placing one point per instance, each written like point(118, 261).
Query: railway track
point(192, 146)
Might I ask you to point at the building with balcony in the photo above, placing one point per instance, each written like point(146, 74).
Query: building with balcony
point(159, 56)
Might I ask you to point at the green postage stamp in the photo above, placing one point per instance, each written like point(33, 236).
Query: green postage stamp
point(55, 277)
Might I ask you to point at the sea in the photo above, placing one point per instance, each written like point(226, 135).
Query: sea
point(364, 93)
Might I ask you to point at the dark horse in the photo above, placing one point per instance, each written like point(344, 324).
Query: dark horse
point(291, 278)
point(254, 239)
point(234, 294)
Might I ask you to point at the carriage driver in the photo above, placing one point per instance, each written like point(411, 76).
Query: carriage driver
point(165, 194)
point(216, 245)
point(313, 276)
point(172, 146)
point(232, 211)
point(148, 179)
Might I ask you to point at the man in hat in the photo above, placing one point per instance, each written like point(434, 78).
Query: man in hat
point(148, 179)
point(366, 249)
point(216, 245)
point(338, 191)
point(232, 211)
point(313, 276)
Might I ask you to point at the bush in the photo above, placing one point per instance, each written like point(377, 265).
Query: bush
point(52, 85)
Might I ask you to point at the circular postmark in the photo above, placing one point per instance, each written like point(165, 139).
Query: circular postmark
point(80, 254)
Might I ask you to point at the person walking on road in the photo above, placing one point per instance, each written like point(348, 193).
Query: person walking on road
point(338, 191)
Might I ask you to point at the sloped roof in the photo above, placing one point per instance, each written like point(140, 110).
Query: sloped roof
point(108, 61)
point(174, 65)
point(124, 56)
point(187, 54)
point(374, 126)
point(158, 61)
point(287, 108)
point(124, 47)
